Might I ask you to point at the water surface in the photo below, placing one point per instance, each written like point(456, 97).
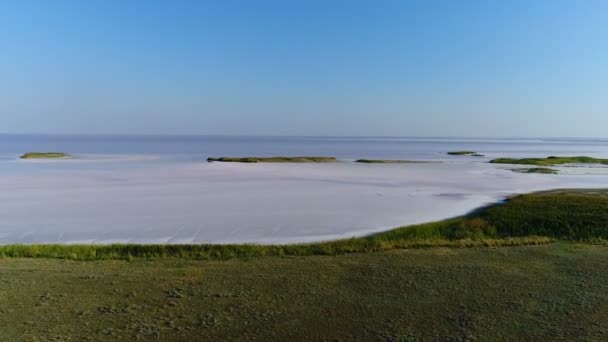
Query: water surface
point(161, 189)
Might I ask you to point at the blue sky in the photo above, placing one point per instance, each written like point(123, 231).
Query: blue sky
point(397, 68)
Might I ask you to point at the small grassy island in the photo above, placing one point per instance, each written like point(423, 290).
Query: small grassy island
point(460, 153)
point(465, 153)
point(550, 161)
point(273, 159)
point(44, 155)
point(390, 161)
point(542, 170)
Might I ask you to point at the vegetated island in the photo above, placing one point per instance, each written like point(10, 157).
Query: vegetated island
point(158, 293)
point(552, 160)
point(542, 170)
point(44, 155)
point(465, 153)
point(392, 161)
point(273, 159)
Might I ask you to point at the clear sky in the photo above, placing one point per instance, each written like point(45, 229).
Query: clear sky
point(398, 68)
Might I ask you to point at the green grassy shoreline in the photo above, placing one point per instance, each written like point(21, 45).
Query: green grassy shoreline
point(531, 219)
point(225, 252)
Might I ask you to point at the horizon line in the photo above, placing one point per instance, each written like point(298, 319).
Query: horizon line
point(143, 135)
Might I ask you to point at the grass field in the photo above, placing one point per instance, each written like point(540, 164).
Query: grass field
point(556, 292)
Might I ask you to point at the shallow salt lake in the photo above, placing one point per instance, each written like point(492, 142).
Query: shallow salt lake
point(161, 189)
point(142, 199)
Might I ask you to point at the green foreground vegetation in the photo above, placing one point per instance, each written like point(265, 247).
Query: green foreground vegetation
point(44, 155)
point(553, 292)
point(542, 170)
point(550, 161)
point(273, 159)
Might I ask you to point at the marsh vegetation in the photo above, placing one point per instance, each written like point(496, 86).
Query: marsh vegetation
point(44, 155)
point(541, 170)
point(552, 160)
point(390, 161)
point(565, 215)
point(462, 153)
point(303, 159)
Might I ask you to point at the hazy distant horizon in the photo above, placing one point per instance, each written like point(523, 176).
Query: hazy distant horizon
point(160, 135)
